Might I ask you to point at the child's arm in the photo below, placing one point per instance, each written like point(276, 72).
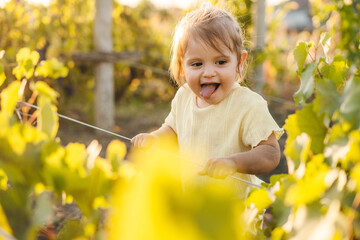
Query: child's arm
point(145, 140)
point(260, 160)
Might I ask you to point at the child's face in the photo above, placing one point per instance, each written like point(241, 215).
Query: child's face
point(209, 73)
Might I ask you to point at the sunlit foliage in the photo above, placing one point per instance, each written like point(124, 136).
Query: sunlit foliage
point(40, 179)
point(319, 199)
point(152, 204)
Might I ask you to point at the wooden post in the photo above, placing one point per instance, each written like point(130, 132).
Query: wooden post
point(104, 71)
point(259, 37)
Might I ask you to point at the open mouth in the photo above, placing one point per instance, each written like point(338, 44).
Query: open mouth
point(207, 89)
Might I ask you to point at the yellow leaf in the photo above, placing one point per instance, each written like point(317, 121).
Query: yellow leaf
point(100, 202)
point(277, 233)
point(3, 180)
point(299, 194)
point(22, 55)
point(355, 174)
point(9, 97)
point(46, 91)
point(52, 68)
point(75, 157)
point(353, 154)
point(260, 198)
point(115, 153)
point(34, 56)
point(90, 230)
point(16, 140)
point(3, 222)
point(2, 74)
point(154, 199)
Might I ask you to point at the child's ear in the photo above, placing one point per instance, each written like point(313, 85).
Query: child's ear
point(242, 60)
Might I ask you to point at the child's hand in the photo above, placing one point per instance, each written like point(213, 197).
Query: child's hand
point(219, 168)
point(144, 140)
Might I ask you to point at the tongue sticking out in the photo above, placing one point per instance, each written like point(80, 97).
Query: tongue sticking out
point(207, 90)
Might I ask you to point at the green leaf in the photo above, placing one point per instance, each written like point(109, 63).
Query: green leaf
point(48, 120)
point(43, 212)
point(55, 170)
point(300, 53)
point(306, 121)
point(9, 98)
point(260, 198)
point(338, 134)
point(327, 98)
point(350, 107)
point(29, 69)
point(307, 84)
point(101, 179)
point(72, 229)
point(337, 70)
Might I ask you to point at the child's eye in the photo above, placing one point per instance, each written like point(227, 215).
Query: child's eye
point(196, 64)
point(220, 62)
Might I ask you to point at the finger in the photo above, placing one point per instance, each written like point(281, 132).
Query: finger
point(220, 173)
point(138, 142)
point(142, 142)
point(204, 170)
point(133, 140)
point(212, 169)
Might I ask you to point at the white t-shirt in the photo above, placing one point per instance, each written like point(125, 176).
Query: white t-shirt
point(236, 124)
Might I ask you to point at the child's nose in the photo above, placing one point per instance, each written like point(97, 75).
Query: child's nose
point(209, 71)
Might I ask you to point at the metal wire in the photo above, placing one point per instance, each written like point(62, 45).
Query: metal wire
point(129, 139)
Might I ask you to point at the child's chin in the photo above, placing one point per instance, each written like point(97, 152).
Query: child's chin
point(213, 101)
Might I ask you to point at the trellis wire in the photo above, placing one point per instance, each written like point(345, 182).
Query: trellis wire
point(129, 139)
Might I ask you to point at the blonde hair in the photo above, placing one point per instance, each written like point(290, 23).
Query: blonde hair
point(213, 26)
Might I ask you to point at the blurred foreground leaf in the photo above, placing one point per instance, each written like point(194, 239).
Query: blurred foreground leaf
point(154, 199)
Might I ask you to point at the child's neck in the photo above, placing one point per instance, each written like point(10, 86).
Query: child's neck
point(201, 103)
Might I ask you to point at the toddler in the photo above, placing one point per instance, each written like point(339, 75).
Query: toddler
point(227, 127)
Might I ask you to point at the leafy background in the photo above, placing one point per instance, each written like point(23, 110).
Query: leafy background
point(57, 182)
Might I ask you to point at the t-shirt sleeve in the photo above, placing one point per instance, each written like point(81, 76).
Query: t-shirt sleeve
point(258, 124)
